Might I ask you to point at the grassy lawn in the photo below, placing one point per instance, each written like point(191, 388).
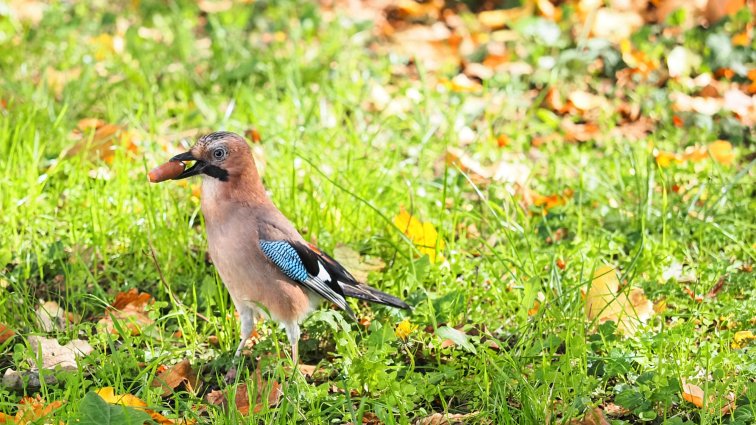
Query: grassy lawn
point(526, 193)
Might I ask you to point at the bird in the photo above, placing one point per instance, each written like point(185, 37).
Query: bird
point(266, 265)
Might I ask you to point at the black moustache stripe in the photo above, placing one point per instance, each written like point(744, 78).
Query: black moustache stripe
point(215, 171)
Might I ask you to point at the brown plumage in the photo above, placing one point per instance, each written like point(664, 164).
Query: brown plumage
point(266, 265)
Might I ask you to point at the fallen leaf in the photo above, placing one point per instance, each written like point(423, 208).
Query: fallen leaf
point(422, 234)
point(510, 169)
point(31, 410)
point(179, 375)
point(242, 401)
point(593, 416)
point(130, 308)
point(742, 338)
point(55, 355)
point(355, 263)
point(99, 140)
point(93, 410)
point(52, 317)
point(579, 132)
point(446, 419)
point(721, 151)
point(717, 287)
point(693, 394)
point(6, 333)
point(718, 9)
point(615, 410)
point(499, 18)
point(584, 101)
point(109, 395)
point(605, 302)
point(532, 311)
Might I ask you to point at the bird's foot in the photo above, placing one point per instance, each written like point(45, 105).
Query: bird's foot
point(230, 377)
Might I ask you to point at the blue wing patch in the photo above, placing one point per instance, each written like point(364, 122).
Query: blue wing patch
point(286, 258)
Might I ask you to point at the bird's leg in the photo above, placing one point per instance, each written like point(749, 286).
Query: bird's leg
point(292, 332)
point(248, 320)
point(247, 317)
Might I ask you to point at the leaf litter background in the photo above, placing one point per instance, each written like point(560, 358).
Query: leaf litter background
point(586, 72)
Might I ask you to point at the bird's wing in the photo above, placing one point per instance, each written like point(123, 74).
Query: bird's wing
point(308, 268)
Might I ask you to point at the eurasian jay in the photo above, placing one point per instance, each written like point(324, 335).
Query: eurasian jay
point(260, 256)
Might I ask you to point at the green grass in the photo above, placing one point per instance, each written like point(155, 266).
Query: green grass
point(340, 170)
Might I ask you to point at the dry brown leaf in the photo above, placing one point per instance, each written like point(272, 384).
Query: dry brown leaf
point(446, 419)
point(579, 132)
point(717, 287)
point(99, 140)
point(52, 317)
point(355, 263)
point(6, 333)
point(605, 302)
point(508, 170)
point(242, 402)
point(594, 416)
point(55, 355)
point(130, 308)
point(615, 410)
point(432, 45)
point(179, 375)
point(584, 101)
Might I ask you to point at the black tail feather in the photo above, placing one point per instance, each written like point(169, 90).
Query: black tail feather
point(367, 293)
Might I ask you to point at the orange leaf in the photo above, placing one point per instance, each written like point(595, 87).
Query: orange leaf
point(131, 308)
point(180, 374)
point(32, 409)
point(6, 333)
point(534, 310)
point(722, 152)
point(693, 394)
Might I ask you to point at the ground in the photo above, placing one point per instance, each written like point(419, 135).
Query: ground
point(483, 172)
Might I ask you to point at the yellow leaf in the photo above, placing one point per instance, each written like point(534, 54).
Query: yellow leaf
point(422, 234)
point(742, 338)
point(605, 302)
point(108, 394)
point(722, 152)
point(404, 329)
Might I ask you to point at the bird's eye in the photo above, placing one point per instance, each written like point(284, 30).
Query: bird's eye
point(219, 153)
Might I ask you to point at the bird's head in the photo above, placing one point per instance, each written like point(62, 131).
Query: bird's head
point(221, 155)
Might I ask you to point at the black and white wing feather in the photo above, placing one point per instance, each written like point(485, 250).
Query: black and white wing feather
point(304, 266)
point(316, 270)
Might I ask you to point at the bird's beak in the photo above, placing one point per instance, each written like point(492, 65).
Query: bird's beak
point(191, 171)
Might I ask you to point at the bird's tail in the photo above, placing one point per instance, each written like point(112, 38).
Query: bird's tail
point(367, 293)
